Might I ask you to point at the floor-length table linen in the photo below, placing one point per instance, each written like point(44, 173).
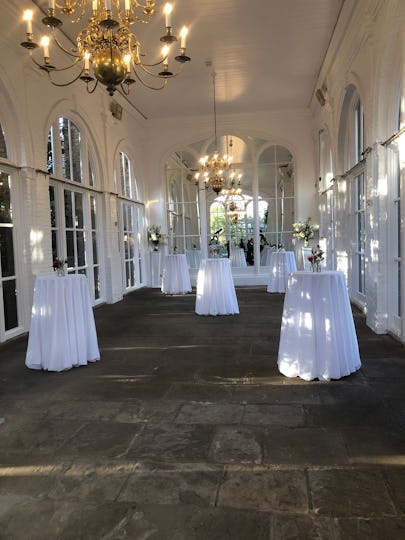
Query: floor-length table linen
point(62, 331)
point(282, 263)
point(193, 257)
point(265, 255)
point(318, 337)
point(215, 288)
point(238, 258)
point(175, 276)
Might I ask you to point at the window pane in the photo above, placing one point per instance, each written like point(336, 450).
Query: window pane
point(52, 203)
point(54, 245)
point(81, 259)
point(93, 212)
point(3, 147)
point(70, 250)
point(65, 146)
point(96, 275)
point(50, 153)
point(6, 213)
point(91, 171)
point(95, 253)
point(76, 153)
point(7, 251)
point(10, 304)
point(79, 210)
point(68, 209)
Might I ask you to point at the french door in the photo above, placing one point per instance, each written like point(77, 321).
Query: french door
point(9, 308)
point(132, 253)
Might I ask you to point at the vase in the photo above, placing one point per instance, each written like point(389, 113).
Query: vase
point(306, 252)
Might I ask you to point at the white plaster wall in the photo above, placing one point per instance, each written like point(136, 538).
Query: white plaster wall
point(367, 51)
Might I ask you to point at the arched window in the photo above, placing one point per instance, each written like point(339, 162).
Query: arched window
point(74, 210)
point(68, 156)
point(352, 212)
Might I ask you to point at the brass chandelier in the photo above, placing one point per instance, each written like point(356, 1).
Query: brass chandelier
point(215, 168)
point(107, 50)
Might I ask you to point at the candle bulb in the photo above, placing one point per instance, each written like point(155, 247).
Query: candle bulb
point(183, 35)
point(86, 61)
point(165, 53)
point(94, 5)
point(45, 45)
point(51, 4)
point(127, 5)
point(127, 60)
point(108, 5)
point(168, 10)
point(27, 17)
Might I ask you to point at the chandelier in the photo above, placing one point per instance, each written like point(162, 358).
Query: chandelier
point(216, 168)
point(234, 201)
point(106, 50)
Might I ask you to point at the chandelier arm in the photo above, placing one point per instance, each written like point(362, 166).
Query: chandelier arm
point(157, 76)
point(46, 68)
point(149, 86)
point(62, 84)
point(62, 48)
point(94, 87)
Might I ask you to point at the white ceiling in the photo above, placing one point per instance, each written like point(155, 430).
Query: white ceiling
point(266, 55)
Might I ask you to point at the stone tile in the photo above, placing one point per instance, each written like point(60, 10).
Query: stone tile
point(162, 486)
point(101, 439)
point(268, 415)
point(125, 388)
point(344, 414)
point(286, 526)
point(172, 442)
point(209, 413)
point(209, 393)
point(350, 493)
point(275, 394)
point(372, 528)
point(378, 445)
point(85, 410)
point(42, 437)
point(264, 490)
point(395, 477)
point(236, 445)
point(30, 481)
point(303, 446)
point(190, 522)
point(141, 411)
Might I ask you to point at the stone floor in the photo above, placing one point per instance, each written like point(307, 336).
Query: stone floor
point(185, 430)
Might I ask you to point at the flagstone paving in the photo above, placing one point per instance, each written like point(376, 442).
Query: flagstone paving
point(185, 430)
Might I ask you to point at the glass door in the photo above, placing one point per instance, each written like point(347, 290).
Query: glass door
point(131, 245)
point(8, 278)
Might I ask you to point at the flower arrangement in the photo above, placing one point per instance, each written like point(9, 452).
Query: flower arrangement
point(58, 266)
point(155, 236)
point(316, 258)
point(303, 230)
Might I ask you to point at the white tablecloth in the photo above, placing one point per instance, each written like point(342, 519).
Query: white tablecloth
point(215, 289)
point(62, 331)
point(193, 257)
point(175, 277)
point(318, 337)
point(238, 257)
point(265, 255)
point(282, 263)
